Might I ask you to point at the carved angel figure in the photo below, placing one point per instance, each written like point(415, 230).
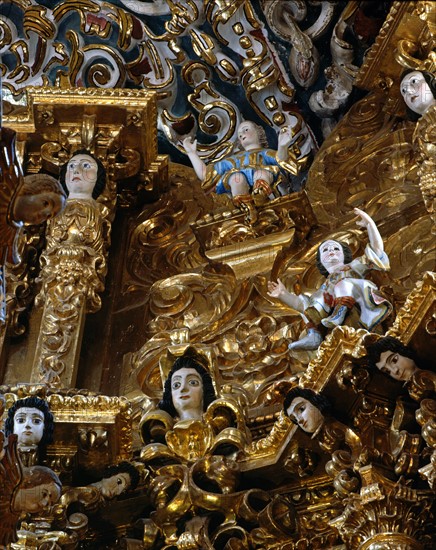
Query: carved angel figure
point(190, 418)
point(249, 175)
point(28, 490)
point(312, 412)
point(29, 200)
point(344, 287)
point(418, 89)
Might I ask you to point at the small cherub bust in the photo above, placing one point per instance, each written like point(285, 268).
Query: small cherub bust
point(188, 389)
point(418, 89)
point(39, 489)
point(83, 176)
point(118, 479)
point(32, 421)
point(307, 409)
point(400, 362)
point(39, 198)
point(391, 356)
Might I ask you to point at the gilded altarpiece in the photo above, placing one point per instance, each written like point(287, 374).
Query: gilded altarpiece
point(187, 270)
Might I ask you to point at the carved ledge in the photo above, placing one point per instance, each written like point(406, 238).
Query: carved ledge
point(225, 236)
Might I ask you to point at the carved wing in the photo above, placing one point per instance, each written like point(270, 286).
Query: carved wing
point(11, 474)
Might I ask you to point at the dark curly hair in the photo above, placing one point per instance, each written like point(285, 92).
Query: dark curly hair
point(318, 400)
point(123, 467)
point(36, 403)
point(431, 81)
point(388, 343)
point(190, 360)
point(100, 182)
point(348, 256)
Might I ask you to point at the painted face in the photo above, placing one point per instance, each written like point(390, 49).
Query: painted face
point(332, 254)
point(305, 414)
point(36, 209)
point(187, 393)
point(28, 426)
point(36, 499)
point(416, 92)
point(397, 366)
point(248, 136)
point(81, 176)
point(113, 486)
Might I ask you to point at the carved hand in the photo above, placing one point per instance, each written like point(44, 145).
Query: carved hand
point(276, 290)
point(364, 220)
point(189, 145)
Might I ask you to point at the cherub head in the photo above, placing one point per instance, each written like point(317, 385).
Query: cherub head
point(39, 198)
point(188, 389)
point(392, 357)
point(40, 487)
point(118, 479)
point(32, 421)
point(331, 253)
point(251, 135)
point(418, 89)
point(306, 408)
point(83, 176)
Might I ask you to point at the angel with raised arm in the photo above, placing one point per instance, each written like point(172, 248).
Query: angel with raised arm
point(345, 287)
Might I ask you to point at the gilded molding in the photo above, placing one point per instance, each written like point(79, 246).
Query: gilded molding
point(417, 310)
point(342, 344)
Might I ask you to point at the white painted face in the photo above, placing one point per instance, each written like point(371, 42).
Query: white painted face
point(248, 136)
point(81, 176)
point(113, 486)
point(305, 414)
point(187, 393)
point(331, 254)
point(28, 426)
point(396, 365)
point(416, 92)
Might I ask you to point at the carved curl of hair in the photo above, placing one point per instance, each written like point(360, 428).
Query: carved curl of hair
point(35, 403)
point(190, 359)
point(348, 256)
point(317, 400)
point(100, 182)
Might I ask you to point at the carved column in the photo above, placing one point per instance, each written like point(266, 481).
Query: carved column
point(73, 271)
